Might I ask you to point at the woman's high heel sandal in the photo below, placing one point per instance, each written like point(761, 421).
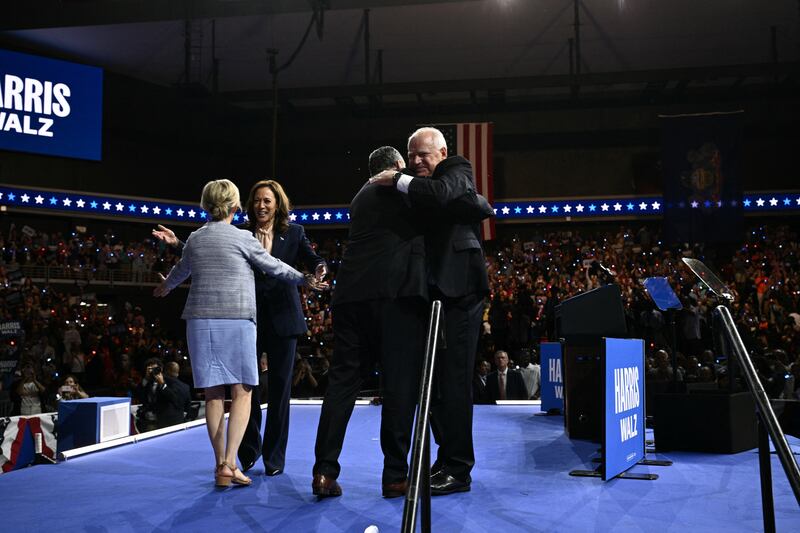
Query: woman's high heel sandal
point(220, 479)
point(225, 480)
point(242, 482)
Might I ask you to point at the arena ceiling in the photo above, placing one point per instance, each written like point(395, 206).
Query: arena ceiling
point(458, 52)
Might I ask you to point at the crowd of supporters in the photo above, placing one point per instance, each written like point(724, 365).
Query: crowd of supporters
point(529, 277)
point(104, 347)
point(61, 335)
point(84, 252)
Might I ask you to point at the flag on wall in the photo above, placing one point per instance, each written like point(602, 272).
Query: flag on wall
point(702, 177)
point(473, 141)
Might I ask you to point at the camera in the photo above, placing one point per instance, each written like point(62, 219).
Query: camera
point(156, 370)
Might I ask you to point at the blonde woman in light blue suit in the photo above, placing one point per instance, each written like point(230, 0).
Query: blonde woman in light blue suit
point(220, 316)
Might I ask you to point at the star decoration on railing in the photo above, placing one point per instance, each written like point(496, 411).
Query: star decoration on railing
point(160, 211)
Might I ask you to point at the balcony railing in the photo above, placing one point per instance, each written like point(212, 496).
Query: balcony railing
point(89, 275)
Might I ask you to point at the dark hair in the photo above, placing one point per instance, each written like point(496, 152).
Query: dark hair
point(73, 379)
point(383, 158)
point(281, 222)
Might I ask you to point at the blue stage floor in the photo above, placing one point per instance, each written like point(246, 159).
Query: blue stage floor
point(520, 483)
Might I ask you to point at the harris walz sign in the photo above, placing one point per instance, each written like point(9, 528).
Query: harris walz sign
point(50, 107)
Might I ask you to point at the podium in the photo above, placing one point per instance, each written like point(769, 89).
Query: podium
point(92, 420)
point(582, 322)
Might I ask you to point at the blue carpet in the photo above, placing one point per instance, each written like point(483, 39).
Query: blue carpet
point(520, 483)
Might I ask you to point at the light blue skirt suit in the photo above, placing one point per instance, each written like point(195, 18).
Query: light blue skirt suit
point(220, 310)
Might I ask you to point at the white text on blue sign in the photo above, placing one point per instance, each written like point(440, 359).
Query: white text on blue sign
point(627, 397)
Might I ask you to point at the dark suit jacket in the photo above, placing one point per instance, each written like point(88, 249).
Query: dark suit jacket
point(168, 403)
point(456, 263)
point(480, 395)
point(281, 299)
point(178, 397)
point(515, 386)
point(385, 253)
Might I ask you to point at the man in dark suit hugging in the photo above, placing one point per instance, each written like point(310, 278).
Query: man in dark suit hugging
point(443, 189)
point(378, 307)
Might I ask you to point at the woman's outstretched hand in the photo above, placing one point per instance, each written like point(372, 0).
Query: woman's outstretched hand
point(161, 290)
point(166, 235)
point(315, 284)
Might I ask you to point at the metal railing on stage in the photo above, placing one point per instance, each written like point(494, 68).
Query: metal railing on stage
point(419, 485)
point(768, 424)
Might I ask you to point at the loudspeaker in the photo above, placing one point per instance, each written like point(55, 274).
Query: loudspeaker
point(703, 421)
point(583, 402)
point(788, 413)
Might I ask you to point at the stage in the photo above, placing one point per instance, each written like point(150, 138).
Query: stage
point(521, 482)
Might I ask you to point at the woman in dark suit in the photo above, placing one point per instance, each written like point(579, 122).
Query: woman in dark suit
point(280, 319)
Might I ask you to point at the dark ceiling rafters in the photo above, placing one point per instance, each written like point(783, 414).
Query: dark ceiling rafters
point(38, 14)
point(654, 84)
point(529, 88)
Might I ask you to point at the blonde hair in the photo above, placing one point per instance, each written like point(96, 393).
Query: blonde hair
point(220, 198)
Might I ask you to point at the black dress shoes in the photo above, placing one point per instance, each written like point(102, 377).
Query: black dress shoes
point(324, 486)
point(247, 457)
point(443, 483)
point(396, 489)
point(272, 471)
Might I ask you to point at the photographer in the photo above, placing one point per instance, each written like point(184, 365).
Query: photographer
point(29, 391)
point(163, 398)
point(304, 384)
point(70, 389)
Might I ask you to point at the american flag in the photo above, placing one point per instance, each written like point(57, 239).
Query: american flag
point(473, 141)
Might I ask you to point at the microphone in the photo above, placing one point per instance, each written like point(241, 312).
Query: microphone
point(606, 270)
point(601, 270)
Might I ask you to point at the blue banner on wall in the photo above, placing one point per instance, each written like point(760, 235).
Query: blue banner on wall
point(552, 377)
point(50, 107)
point(623, 431)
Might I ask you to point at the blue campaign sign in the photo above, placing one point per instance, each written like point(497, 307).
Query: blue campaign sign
point(50, 107)
point(623, 431)
point(552, 377)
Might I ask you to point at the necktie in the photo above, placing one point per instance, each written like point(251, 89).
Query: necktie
point(502, 377)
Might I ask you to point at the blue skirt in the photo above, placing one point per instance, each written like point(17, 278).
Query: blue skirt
point(222, 351)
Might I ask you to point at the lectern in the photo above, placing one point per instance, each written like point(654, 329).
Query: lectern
point(581, 322)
